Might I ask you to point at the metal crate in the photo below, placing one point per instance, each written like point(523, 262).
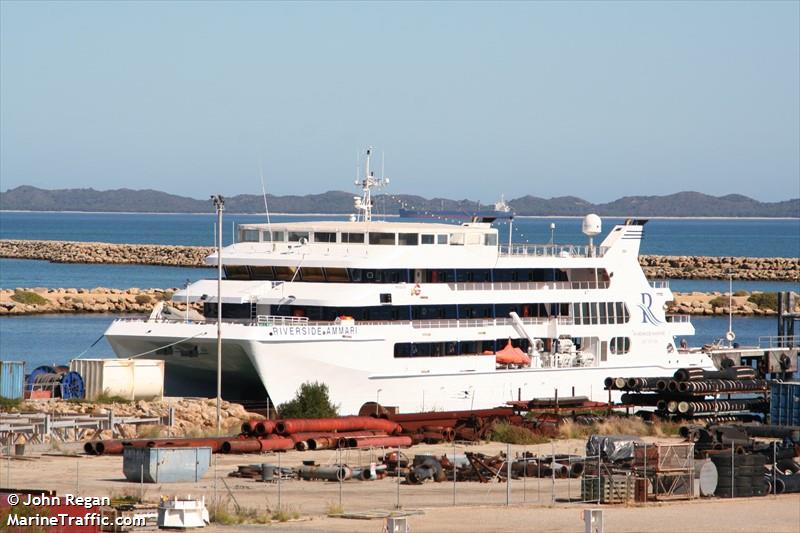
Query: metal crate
point(663, 457)
point(784, 404)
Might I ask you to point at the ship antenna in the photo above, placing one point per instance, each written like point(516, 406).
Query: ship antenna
point(264, 194)
point(364, 202)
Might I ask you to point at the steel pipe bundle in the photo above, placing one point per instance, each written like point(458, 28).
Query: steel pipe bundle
point(631, 398)
point(718, 405)
point(775, 432)
point(722, 385)
point(642, 384)
point(732, 372)
point(345, 423)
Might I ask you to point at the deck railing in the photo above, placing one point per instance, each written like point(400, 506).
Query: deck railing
point(527, 285)
point(553, 250)
point(679, 318)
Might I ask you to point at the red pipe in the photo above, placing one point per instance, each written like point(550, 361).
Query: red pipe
point(444, 415)
point(345, 423)
point(377, 442)
point(256, 445)
point(264, 427)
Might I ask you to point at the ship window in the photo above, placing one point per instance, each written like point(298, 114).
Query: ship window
point(250, 235)
point(382, 238)
point(312, 274)
point(385, 298)
point(284, 273)
point(278, 236)
point(353, 238)
point(603, 313)
point(236, 272)
point(457, 239)
point(407, 239)
point(620, 345)
point(324, 236)
point(296, 236)
point(426, 239)
point(336, 274)
point(441, 239)
point(473, 238)
point(490, 239)
point(262, 272)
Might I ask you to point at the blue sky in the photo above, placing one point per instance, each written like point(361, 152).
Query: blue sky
point(468, 100)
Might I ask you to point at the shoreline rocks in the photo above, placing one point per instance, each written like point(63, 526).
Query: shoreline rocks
point(655, 266)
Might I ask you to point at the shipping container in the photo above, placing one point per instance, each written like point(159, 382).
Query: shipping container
point(12, 379)
point(784, 406)
point(132, 379)
point(165, 465)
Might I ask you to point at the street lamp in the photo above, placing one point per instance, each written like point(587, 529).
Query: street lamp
point(552, 233)
point(219, 205)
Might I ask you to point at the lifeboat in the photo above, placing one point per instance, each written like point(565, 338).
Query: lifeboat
point(510, 355)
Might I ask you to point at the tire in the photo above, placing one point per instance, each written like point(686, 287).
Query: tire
point(722, 493)
point(759, 459)
point(760, 491)
point(723, 472)
point(739, 483)
point(745, 492)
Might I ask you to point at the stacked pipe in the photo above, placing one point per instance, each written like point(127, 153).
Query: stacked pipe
point(682, 395)
point(279, 435)
point(446, 426)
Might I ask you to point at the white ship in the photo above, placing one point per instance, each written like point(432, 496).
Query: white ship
point(415, 315)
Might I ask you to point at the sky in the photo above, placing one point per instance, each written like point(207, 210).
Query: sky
point(465, 100)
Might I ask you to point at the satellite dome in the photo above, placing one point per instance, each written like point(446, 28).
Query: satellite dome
point(592, 225)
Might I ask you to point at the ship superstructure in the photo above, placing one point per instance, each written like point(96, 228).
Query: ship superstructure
point(415, 315)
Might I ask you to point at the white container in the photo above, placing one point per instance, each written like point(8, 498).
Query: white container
point(132, 379)
point(182, 513)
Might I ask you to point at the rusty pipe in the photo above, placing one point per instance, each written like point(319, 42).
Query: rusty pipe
point(344, 423)
point(256, 445)
point(378, 442)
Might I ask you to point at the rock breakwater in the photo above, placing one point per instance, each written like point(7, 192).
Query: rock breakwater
point(38, 300)
point(655, 267)
point(702, 267)
point(105, 253)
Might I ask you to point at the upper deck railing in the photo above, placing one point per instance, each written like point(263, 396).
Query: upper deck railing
point(269, 320)
point(527, 285)
point(659, 283)
point(679, 318)
point(553, 250)
point(782, 341)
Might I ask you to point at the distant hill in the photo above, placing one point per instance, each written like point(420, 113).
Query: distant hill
point(682, 204)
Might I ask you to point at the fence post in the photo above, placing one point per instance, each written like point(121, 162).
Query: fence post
point(508, 474)
point(454, 470)
point(733, 478)
point(340, 478)
point(397, 505)
point(774, 466)
point(553, 474)
point(280, 474)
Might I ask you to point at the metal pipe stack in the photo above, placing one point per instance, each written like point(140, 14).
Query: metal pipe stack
point(692, 392)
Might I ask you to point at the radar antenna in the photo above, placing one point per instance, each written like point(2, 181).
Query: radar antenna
point(363, 203)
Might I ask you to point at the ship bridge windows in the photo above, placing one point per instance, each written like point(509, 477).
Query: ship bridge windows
point(249, 235)
point(236, 272)
point(353, 238)
point(591, 313)
point(273, 236)
point(408, 239)
point(441, 239)
point(382, 238)
point(262, 272)
point(427, 238)
point(324, 236)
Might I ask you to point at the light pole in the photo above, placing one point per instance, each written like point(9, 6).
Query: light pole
point(219, 205)
point(730, 335)
point(378, 402)
point(552, 233)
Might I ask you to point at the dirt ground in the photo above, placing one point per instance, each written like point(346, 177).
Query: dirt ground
point(535, 504)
